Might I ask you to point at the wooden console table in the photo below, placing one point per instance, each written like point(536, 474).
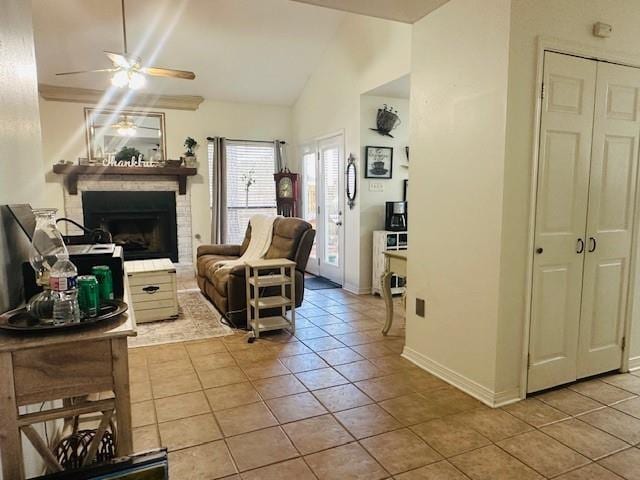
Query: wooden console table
point(395, 263)
point(41, 368)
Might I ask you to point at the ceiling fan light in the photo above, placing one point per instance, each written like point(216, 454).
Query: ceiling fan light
point(136, 80)
point(127, 130)
point(120, 79)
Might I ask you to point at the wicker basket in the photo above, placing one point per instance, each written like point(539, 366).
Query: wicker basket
point(72, 449)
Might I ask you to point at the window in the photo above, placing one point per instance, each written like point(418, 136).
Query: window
point(250, 186)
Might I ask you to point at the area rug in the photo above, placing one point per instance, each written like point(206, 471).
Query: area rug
point(197, 319)
point(319, 283)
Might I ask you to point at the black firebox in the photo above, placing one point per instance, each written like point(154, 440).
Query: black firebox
point(143, 223)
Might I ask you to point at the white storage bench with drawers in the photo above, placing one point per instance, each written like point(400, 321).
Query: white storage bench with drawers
point(153, 286)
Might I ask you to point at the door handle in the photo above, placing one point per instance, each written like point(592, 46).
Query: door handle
point(580, 246)
point(539, 250)
point(593, 244)
point(151, 289)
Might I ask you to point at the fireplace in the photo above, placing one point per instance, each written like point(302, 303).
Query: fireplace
point(143, 223)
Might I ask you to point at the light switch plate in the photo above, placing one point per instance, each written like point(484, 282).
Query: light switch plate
point(376, 187)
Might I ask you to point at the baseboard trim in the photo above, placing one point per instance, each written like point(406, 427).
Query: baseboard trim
point(634, 364)
point(480, 392)
point(351, 288)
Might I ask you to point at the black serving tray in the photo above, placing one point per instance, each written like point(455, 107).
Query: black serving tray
point(20, 320)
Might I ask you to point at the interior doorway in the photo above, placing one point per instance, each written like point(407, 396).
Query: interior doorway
point(323, 204)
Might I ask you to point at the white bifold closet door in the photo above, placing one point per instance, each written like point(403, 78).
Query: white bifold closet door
point(612, 191)
point(584, 218)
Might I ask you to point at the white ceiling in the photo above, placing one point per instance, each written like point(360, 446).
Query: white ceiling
point(407, 11)
point(255, 51)
point(398, 88)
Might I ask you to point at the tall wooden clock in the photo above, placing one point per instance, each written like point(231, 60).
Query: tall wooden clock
point(286, 193)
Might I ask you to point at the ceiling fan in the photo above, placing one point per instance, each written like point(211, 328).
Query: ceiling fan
point(127, 127)
point(128, 70)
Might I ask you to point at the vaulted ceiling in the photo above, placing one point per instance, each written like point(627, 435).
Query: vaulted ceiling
point(257, 51)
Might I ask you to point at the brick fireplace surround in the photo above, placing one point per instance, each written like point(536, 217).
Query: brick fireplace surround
point(137, 183)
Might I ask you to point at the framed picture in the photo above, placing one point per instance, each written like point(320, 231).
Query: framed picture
point(378, 162)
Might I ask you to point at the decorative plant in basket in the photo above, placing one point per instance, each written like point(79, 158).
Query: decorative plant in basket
point(190, 156)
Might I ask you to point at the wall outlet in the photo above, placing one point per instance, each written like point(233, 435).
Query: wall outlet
point(602, 30)
point(376, 187)
point(420, 307)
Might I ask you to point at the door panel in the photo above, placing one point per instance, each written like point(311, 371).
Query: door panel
point(563, 180)
point(553, 282)
point(608, 285)
point(561, 211)
point(610, 218)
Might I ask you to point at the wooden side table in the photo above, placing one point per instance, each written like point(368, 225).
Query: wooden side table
point(285, 276)
point(41, 368)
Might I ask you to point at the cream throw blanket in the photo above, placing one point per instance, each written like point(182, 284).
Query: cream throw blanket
point(261, 235)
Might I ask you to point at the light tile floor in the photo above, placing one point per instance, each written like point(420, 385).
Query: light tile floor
point(336, 401)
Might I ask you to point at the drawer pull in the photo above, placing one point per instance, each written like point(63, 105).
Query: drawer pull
point(151, 289)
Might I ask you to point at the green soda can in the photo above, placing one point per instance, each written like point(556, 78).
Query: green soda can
point(105, 281)
point(88, 296)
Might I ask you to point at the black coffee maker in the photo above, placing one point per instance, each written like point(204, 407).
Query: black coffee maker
point(396, 217)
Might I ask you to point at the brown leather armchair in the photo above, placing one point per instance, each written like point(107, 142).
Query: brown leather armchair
point(292, 239)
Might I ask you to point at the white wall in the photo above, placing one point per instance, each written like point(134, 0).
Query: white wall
point(458, 122)
point(570, 22)
point(21, 173)
point(476, 290)
point(20, 158)
point(63, 137)
point(372, 204)
point(367, 52)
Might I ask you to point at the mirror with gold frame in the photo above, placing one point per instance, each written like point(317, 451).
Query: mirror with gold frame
point(116, 134)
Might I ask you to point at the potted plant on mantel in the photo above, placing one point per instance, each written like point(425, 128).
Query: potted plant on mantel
point(190, 156)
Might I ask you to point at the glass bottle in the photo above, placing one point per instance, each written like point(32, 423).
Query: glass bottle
point(47, 247)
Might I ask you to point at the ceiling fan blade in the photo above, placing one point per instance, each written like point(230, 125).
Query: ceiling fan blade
point(168, 72)
point(88, 71)
point(148, 128)
point(119, 60)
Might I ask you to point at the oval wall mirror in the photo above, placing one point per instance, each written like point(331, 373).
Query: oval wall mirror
point(352, 181)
